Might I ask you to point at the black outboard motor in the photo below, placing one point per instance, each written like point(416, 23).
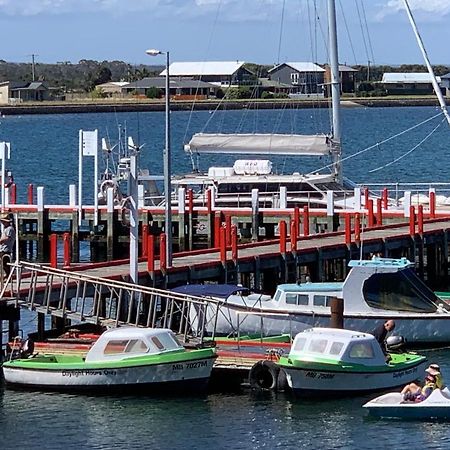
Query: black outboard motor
point(395, 344)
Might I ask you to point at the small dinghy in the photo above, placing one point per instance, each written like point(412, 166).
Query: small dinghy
point(436, 406)
point(121, 359)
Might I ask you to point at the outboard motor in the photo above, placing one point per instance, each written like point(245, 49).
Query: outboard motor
point(395, 344)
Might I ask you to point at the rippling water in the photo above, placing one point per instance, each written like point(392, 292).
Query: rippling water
point(45, 152)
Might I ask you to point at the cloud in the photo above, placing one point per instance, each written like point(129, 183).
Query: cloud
point(431, 9)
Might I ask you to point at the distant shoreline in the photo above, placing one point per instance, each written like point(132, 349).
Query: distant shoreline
point(204, 105)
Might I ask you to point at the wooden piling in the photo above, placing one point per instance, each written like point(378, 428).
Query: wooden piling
point(337, 312)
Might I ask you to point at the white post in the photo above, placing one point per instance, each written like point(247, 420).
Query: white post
point(407, 202)
point(40, 198)
point(283, 197)
point(181, 200)
point(357, 195)
point(141, 196)
point(6, 202)
point(88, 146)
point(213, 196)
point(72, 195)
point(4, 155)
point(330, 203)
point(133, 201)
point(110, 200)
point(96, 182)
point(80, 177)
point(255, 201)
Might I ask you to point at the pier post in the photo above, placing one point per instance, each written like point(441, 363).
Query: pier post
point(43, 227)
point(385, 196)
point(407, 203)
point(75, 236)
point(305, 221)
point(144, 237)
point(66, 241)
point(330, 210)
point(53, 250)
point(337, 313)
point(182, 219)
point(234, 244)
point(228, 229)
point(370, 216)
point(357, 195)
point(151, 254)
point(348, 229)
point(223, 246)
point(13, 194)
point(217, 225)
point(379, 212)
point(366, 196)
point(297, 219)
point(162, 253)
point(283, 233)
point(110, 224)
point(30, 194)
point(210, 217)
point(293, 237)
point(190, 208)
point(357, 228)
point(412, 221)
point(283, 197)
point(432, 196)
point(420, 219)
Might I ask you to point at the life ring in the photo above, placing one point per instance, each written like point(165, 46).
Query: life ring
point(263, 376)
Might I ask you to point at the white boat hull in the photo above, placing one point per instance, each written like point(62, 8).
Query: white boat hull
point(307, 381)
point(194, 372)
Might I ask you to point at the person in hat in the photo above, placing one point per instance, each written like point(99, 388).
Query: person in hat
point(433, 380)
point(7, 241)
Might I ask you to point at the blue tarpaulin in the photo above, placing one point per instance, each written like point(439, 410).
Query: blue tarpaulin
point(211, 290)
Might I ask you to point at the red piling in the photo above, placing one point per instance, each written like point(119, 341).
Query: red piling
point(53, 250)
point(294, 235)
point(223, 246)
point(144, 243)
point(208, 201)
point(297, 219)
point(384, 197)
point(150, 253)
point(348, 229)
point(234, 243)
point(432, 204)
point(357, 228)
point(305, 221)
point(228, 230)
point(162, 252)
point(412, 220)
point(30, 194)
point(190, 201)
point(283, 234)
point(366, 196)
point(379, 212)
point(370, 216)
point(13, 194)
point(217, 225)
point(67, 256)
point(420, 220)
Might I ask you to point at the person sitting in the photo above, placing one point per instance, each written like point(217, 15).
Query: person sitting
point(433, 380)
point(381, 332)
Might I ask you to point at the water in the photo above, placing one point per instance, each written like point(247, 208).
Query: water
point(45, 152)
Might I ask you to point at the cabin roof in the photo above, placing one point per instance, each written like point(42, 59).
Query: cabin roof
point(336, 333)
point(307, 287)
point(381, 262)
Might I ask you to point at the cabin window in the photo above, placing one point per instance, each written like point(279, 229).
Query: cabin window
point(400, 291)
point(168, 341)
point(361, 350)
point(336, 348)
point(291, 299)
point(300, 344)
point(318, 345)
point(320, 300)
point(302, 299)
point(117, 346)
point(157, 343)
point(277, 296)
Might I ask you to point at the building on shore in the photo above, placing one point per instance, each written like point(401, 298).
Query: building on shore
point(347, 76)
point(13, 92)
point(445, 84)
point(399, 83)
point(113, 88)
point(220, 73)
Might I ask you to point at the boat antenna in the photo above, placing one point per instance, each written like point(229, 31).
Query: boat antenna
point(335, 91)
point(434, 82)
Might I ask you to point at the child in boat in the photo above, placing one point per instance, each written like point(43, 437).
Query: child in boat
point(433, 380)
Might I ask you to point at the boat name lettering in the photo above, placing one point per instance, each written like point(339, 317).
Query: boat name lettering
point(196, 364)
point(177, 367)
point(320, 375)
point(88, 372)
point(405, 372)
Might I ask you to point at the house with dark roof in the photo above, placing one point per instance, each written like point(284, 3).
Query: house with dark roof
point(398, 83)
point(347, 76)
point(303, 77)
point(17, 92)
point(182, 89)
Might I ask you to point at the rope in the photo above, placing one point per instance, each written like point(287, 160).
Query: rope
point(383, 142)
point(409, 151)
point(348, 32)
point(281, 32)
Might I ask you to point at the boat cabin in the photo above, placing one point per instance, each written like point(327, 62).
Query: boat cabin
point(128, 342)
point(346, 346)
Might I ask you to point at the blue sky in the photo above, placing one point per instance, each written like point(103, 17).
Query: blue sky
point(198, 30)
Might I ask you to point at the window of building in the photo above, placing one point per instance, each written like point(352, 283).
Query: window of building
point(294, 77)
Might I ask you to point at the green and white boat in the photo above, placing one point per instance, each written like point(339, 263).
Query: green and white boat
point(121, 359)
point(328, 360)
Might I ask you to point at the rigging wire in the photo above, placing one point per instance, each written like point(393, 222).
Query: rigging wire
point(409, 151)
point(367, 31)
point(348, 32)
point(362, 30)
point(382, 142)
point(281, 31)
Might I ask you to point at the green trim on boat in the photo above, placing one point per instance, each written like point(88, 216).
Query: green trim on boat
point(399, 361)
point(282, 338)
point(77, 362)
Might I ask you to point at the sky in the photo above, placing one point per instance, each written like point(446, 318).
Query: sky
point(260, 31)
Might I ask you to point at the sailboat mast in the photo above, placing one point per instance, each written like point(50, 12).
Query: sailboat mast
point(335, 90)
point(436, 87)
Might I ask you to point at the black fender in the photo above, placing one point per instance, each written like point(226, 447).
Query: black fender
point(263, 376)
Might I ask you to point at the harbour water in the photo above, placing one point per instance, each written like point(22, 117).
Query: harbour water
point(45, 152)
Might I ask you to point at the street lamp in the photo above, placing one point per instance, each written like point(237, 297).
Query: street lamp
point(167, 170)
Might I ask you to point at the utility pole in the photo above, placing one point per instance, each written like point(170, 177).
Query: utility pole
point(33, 67)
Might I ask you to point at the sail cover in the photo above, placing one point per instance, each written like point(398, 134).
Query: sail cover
point(260, 144)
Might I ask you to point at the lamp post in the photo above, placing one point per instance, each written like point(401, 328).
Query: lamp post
point(167, 162)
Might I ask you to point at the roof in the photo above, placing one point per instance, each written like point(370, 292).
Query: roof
point(266, 82)
point(446, 76)
point(210, 290)
point(160, 82)
point(401, 77)
point(189, 69)
point(311, 287)
point(336, 333)
point(381, 262)
point(300, 67)
point(113, 83)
